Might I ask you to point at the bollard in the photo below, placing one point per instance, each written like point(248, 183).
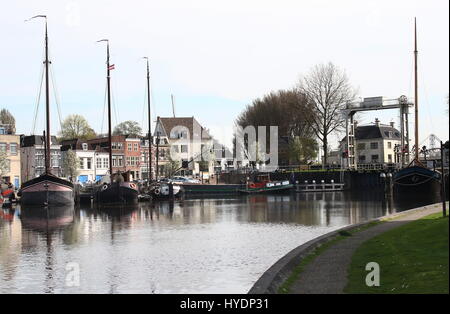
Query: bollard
point(170, 190)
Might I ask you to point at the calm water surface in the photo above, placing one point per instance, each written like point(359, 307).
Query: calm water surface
point(217, 245)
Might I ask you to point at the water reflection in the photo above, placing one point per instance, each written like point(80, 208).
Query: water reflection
point(215, 245)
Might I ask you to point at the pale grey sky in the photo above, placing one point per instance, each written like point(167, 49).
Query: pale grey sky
point(216, 56)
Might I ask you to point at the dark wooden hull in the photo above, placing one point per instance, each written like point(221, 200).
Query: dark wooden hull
point(47, 190)
point(416, 180)
point(118, 193)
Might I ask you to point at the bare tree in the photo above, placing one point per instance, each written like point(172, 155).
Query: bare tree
point(328, 89)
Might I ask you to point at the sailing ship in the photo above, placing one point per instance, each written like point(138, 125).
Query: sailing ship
point(416, 179)
point(118, 190)
point(47, 189)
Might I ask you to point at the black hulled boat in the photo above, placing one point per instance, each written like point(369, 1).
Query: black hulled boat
point(116, 191)
point(416, 179)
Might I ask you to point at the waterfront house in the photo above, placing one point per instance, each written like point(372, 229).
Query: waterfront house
point(93, 160)
point(126, 153)
point(189, 143)
point(376, 145)
point(10, 146)
point(32, 158)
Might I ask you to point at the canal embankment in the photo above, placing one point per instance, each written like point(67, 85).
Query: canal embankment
point(320, 265)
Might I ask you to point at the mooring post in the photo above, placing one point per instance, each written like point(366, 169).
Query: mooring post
point(444, 205)
point(170, 190)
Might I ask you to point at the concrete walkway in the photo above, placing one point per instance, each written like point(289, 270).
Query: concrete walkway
point(327, 273)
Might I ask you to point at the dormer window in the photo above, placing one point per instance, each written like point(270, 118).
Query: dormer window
point(84, 146)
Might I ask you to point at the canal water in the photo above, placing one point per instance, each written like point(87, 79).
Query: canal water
point(214, 245)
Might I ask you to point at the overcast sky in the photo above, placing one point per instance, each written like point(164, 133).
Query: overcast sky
point(216, 56)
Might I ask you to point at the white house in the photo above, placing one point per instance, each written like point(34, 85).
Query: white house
point(189, 142)
point(376, 144)
point(93, 161)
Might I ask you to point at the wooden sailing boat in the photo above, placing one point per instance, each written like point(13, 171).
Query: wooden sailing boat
point(416, 178)
point(47, 189)
point(117, 191)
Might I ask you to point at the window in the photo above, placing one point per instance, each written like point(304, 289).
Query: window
point(374, 158)
point(81, 160)
point(184, 148)
point(55, 160)
point(120, 161)
point(132, 161)
point(136, 147)
point(362, 158)
point(116, 145)
point(39, 160)
point(85, 146)
point(389, 145)
point(390, 158)
point(361, 146)
point(98, 162)
point(374, 145)
point(2, 131)
point(13, 148)
point(89, 163)
point(105, 163)
point(3, 147)
point(130, 147)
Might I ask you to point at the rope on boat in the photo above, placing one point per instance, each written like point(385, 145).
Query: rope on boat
point(36, 108)
point(56, 94)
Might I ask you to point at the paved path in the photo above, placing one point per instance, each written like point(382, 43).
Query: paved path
point(327, 273)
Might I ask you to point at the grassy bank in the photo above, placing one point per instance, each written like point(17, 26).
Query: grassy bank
point(412, 258)
point(296, 272)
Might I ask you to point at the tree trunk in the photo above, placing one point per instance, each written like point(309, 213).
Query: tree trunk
point(325, 152)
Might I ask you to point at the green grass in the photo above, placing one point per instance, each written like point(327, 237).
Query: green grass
point(413, 259)
point(296, 272)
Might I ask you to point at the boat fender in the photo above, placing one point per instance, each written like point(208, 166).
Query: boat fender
point(104, 187)
point(132, 185)
point(157, 191)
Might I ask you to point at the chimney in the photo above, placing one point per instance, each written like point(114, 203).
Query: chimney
point(377, 122)
point(392, 124)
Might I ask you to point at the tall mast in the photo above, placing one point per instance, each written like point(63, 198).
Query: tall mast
point(173, 105)
point(47, 97)
point(416, 93)
point(108, 80)
point(149, 166)
point(47, 104)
